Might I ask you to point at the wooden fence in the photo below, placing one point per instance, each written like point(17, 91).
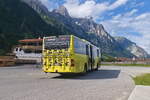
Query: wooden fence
point(7, 61)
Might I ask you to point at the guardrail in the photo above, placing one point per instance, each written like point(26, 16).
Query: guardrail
point(128, 62)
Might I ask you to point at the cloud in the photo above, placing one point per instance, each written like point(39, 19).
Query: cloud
point(132, 12)
point(134, 4)
point(117, 4)
point(134, 27)
point(90, 7)
point(85, 9)
point(45, 2)
point(50, 4)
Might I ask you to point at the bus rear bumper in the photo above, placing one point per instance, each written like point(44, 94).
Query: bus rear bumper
point(61, 69)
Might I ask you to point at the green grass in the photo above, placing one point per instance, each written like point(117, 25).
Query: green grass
point(136, 65)
point(142, 80)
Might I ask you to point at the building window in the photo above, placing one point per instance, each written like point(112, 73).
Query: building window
point(16, 49)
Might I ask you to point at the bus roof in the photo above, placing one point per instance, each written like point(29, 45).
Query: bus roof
point(73, 36)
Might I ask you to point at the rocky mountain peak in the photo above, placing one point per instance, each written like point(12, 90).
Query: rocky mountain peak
point(92, 27)
point(82, 25)
point(87, 23)
point(62, 10)
point(132, 47)
point(123, 40)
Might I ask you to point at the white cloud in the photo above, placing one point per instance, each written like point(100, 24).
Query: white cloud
point(50, 4)
point(117, 4)
point(90, 7)
point(134, 4)
point(128, 22)
point(132, 12)
point(86, 9)
point(45, 2)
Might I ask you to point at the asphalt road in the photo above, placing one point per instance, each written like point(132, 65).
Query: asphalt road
point(30, 83)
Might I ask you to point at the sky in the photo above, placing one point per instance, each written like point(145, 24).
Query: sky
point(128, 18)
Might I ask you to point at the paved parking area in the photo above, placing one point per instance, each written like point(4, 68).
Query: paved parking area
point(140, 92)
point(29, 83)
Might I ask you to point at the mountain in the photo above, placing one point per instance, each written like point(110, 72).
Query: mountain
point(86, 28)
point(31, 19)
point(18, 21)
point(98, 35)
point(132, 47)
point(62, 10)
point(37, 6)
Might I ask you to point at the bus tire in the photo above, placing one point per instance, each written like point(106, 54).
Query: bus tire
point(97, 67)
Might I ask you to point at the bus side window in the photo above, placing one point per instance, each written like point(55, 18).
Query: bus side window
point(80, 46)
point(87, 49)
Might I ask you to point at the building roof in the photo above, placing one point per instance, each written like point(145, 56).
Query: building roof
point(30, 40)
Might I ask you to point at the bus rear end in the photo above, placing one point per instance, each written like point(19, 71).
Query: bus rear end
point(57, 54)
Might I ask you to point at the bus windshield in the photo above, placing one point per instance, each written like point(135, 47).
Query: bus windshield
point(61, 42)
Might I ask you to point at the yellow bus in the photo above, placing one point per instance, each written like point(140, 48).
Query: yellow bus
point(69, 54)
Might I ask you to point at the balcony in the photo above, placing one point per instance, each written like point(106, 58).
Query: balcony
point(32, 47)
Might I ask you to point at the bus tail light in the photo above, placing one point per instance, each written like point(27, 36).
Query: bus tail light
point(72, 62)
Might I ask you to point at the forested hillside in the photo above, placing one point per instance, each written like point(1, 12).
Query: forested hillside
point(19, 21)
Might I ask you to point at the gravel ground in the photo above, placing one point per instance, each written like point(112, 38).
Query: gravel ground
point(30, 83)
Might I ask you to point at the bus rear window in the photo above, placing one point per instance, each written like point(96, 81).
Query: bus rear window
point(61, 42)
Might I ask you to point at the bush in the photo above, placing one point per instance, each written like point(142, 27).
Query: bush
point(107, 58)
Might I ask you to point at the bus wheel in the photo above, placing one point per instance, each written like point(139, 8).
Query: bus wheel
point(97, 67)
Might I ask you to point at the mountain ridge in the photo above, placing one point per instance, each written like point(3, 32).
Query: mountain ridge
point(36, 20)
point(86, 28)
point(131, 46)
point(93, 28)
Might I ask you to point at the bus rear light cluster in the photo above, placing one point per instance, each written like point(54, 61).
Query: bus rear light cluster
point(72, 63)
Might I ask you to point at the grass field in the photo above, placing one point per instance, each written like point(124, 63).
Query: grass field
point(142, 80)
point(141, 65)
